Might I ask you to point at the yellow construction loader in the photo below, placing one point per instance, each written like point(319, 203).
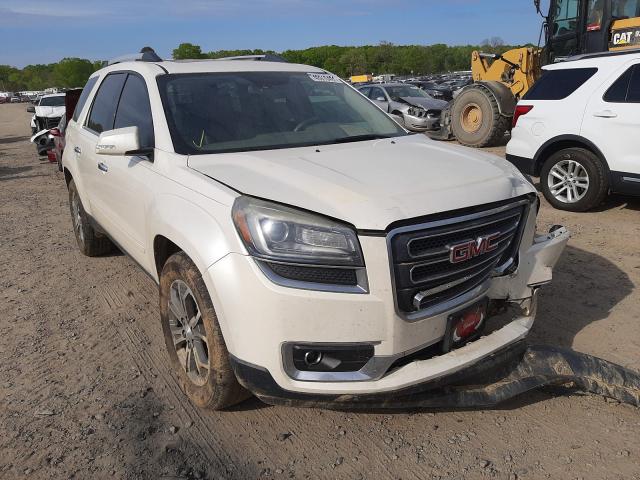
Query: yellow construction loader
point(482, 112)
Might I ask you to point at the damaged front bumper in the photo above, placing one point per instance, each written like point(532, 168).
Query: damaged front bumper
point(513, 371)
point(483, 373)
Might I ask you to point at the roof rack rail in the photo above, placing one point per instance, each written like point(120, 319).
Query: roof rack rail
point(147, 54)
point(267, 57)
point(613, 53)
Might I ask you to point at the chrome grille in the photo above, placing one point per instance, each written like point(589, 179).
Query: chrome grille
point(424, 274)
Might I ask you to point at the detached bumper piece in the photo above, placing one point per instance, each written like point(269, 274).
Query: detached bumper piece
point(503, 376)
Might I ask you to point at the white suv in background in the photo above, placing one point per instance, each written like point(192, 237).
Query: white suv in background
point(305, 245)
point(578, 128)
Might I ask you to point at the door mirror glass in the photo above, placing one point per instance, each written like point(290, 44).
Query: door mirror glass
point(31, 109)
point(121, 141)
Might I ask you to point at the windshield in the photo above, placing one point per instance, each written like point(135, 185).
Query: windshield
point(52, 101)
point(405, 91)
point(242, 111)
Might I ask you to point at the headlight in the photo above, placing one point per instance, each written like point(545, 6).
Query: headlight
point(278, 233)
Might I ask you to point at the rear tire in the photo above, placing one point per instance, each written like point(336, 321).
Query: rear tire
point(475, 118)
point(90, 242)
point(197, 350)
point(584, 187)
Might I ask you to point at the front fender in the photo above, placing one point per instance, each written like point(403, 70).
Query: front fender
point(204, 231)
point(503, 95)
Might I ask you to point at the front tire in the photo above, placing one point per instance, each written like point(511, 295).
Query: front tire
point(574, 179)
point(475, 118)
point(90, 242)
point(197, 351)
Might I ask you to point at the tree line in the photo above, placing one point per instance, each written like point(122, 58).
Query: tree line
point(343, 61)
point(67, 73)
point(369, 59)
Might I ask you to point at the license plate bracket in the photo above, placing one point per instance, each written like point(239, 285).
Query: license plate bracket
point(465, 325)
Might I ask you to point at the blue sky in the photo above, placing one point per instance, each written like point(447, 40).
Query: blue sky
point(35, 31)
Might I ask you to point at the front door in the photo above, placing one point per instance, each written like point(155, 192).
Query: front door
point(129, 178)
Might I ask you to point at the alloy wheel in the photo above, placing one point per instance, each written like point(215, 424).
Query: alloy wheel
point(568, 181)
point(77, 217)
point(188, 333)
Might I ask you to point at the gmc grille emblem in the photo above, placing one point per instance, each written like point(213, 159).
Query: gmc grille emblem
point(473, 248)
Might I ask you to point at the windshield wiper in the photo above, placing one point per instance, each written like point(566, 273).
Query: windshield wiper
point(359, 138)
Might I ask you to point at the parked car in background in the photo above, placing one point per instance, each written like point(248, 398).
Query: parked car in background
point(578, 128)
point(305, 246)
point(439, 92)
point(47, 112)
point(58, 133)
point(419, 111)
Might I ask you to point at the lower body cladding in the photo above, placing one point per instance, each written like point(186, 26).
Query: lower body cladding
point(323, 343)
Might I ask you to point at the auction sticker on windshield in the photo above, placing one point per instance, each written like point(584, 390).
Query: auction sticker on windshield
point(324, 77)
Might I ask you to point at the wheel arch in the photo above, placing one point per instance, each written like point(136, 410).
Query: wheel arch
point(504, 97)
point(176, 224)
point(566, 141)
point(67, 176)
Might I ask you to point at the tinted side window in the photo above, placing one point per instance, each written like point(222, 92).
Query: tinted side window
point(633, 95)
point(134, 110)
point(104, 106)
point(83, 97)
point(559, 84)
point(376, 93)
point(365, 91)
point(617, 92)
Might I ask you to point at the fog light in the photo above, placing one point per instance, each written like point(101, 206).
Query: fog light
point(329, 358)
point(312, 357)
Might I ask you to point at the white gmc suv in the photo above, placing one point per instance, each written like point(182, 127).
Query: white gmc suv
point(305, 245)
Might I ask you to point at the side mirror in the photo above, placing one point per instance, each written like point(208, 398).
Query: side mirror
point(31, 109)
point(121, 141)
point(381, 99)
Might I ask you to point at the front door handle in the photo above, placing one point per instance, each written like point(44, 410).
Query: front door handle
point(605, 114)
point(103, 167)
point(77, 149)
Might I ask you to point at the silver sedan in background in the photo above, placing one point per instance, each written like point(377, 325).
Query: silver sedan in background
point(419, 111)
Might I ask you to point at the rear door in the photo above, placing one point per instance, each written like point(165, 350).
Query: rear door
point(612, 120)
point(92, 166)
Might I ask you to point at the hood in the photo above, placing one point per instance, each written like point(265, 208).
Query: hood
point(50, 112)
point(426, 103)
point(369, 184)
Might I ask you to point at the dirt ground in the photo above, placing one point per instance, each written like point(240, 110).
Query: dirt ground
point(85, 392)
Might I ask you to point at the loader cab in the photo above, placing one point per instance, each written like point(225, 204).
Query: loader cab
point(574, 27)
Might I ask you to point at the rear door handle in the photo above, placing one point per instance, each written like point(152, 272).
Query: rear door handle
point(103, 167)
point(77, 149)
point(605, 114)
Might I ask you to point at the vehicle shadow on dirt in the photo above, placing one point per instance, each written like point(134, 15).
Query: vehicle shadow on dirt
point(6, 140)
point(585, 288)
point(11, 171)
